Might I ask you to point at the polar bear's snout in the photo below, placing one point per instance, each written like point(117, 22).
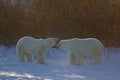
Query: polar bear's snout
point(58, 45)
point(57, 41)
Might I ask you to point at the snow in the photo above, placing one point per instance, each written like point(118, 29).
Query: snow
point(58, 67)
point(54, 56)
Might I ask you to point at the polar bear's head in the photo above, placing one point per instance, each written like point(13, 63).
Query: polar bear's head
point(52, 41)
point(63, 44)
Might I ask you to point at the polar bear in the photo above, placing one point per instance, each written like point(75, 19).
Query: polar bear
point(28, 46)
point(82, 48)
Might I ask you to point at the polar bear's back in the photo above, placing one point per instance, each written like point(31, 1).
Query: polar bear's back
point(28, 43)
point(27, 39)
point(86, 45)
point(81, 44)
point(81, 41)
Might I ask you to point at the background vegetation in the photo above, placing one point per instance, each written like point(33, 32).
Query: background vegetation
point(63, 19)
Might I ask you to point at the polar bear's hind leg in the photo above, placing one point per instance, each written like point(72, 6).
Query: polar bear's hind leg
point(20, 54)
point(21, 57)
point(29, 57)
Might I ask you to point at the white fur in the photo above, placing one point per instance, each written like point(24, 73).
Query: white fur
point(27, 46)
point(81, 48)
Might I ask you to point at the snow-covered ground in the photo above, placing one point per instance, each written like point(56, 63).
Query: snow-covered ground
point(58, 67)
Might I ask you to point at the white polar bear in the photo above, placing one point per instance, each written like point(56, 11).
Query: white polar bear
point(83, 48)
point(27, 46)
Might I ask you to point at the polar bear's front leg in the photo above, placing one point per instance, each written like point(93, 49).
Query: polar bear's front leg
point(39, 58)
